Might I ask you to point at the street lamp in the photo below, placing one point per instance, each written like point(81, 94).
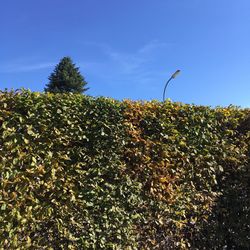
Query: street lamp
point(172, 77)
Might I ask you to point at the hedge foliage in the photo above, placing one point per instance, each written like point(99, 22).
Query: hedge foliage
point(84, 173)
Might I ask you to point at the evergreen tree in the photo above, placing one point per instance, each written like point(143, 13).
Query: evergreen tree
point(66, 78)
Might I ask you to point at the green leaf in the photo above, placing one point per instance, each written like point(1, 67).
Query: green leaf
point(3, 207)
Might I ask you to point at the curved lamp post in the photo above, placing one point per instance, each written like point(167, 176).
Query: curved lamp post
point(172, 77)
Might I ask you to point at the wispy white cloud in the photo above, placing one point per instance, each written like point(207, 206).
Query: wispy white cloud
point(153, 45)
point(130, 63)
point(138, 65)
point(24, 67)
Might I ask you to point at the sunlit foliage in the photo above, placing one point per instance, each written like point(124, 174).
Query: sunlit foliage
point(84, 173)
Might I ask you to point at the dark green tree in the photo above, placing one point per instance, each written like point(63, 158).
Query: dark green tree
point(66, 78)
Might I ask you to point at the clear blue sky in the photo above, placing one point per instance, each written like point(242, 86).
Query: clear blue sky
point(128, 49)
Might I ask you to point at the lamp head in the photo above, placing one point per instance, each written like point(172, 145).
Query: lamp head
point(175, 73)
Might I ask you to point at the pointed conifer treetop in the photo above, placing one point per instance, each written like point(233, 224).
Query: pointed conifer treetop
point(66, 78)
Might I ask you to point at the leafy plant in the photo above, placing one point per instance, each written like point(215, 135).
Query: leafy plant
point(83, 173)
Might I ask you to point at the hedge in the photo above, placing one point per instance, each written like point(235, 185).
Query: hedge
point(94, 173)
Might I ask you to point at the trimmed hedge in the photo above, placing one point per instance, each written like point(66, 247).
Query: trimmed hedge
point(84, 173)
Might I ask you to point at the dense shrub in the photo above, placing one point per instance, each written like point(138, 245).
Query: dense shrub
point(84, 173)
